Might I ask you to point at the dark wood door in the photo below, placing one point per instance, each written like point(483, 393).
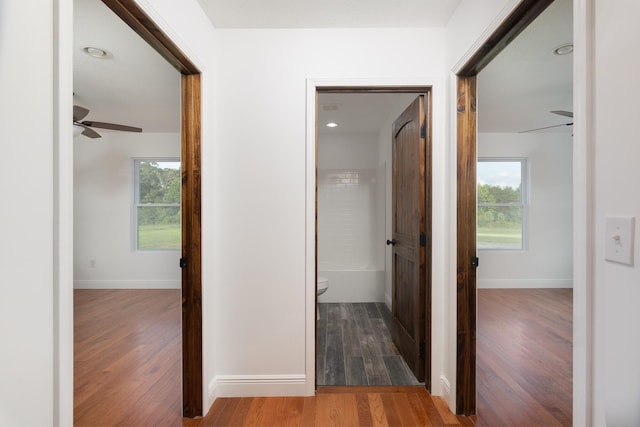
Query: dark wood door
point(409, 235)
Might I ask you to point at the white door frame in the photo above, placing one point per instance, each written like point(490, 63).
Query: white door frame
point(583, 212)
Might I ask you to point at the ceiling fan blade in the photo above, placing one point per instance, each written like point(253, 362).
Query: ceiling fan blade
point(79, 113)
point(90, 133)
point(563, 113)
point(111, 126)
point(546, 127)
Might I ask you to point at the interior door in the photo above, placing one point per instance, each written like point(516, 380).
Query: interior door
point(409, 235)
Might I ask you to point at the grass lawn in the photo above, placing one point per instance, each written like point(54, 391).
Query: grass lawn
point(159, 236)
point(506, 237)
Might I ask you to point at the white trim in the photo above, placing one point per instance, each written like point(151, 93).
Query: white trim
point(524, 283)
point(450, 227)
point(388, 301)
point(583, 211)
point(310, 237)
point(445, 385)
point(168, 31)
point(257, 385)
point(62, 46)
point(127, 284)
point(439, 107)
point(488, 32)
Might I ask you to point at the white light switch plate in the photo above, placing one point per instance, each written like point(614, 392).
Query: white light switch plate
point(619, 239)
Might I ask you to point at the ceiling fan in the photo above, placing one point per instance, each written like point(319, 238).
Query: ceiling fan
point(558, 112)
point(85, 127)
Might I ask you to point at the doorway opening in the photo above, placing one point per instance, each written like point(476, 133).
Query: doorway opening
point(189, 259)
point(361, 321)
point(467, 205)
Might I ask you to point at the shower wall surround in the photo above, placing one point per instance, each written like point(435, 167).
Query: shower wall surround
point(351, 218)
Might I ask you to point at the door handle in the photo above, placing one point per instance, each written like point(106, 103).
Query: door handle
point(392, 242)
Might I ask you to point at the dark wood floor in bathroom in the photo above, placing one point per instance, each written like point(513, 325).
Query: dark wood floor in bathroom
point(355, 347)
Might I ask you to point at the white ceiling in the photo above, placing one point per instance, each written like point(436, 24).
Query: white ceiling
point(328, 13)
point(526, 81)
point(134, 86)
point(358, 112)
point(137, 87)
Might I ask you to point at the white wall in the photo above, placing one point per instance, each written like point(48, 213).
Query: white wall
point(617, 287)
point(103, 213)
point(26, 217)
point(547, 261)
point(261, 135)
point(471, 24)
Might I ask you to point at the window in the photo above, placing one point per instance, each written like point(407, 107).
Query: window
point(502, 197)
point(157, 184)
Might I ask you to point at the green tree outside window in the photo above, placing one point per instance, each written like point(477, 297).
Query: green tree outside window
point(501, 194)
point(158, 208)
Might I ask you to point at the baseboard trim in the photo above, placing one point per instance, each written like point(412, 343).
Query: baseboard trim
point(445, 387)
point(127, 284)
point(257, 385)
point(387, 300)
point(524, 283)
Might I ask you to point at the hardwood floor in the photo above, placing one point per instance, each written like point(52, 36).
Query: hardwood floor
point(355, 347)
point(336, 406)
point(524, 357)
point(128, 357)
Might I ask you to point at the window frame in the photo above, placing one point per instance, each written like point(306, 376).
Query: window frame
point(524, 201)
point(136, 201)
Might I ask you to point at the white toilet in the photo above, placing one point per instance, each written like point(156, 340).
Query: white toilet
point(322, 285)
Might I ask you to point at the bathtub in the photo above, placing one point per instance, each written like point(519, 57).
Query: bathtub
point(354, 286)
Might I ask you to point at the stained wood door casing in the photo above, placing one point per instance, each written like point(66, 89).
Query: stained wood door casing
point(409, 235)
point(191, 248)
point(466, 247)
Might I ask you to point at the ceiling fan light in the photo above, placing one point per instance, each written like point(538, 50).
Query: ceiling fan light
point(77, 130)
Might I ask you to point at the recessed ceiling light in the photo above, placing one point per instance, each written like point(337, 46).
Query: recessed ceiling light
point(565, 49)
point(95, 52)
point(331, 124)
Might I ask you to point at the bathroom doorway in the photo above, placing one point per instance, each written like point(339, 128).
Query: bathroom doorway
point(355, 322)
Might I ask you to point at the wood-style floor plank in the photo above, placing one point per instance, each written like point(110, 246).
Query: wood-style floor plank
point(339, 407)
point(127, 352)
point(127, 366)
point(354, 347)
point(524, 357)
